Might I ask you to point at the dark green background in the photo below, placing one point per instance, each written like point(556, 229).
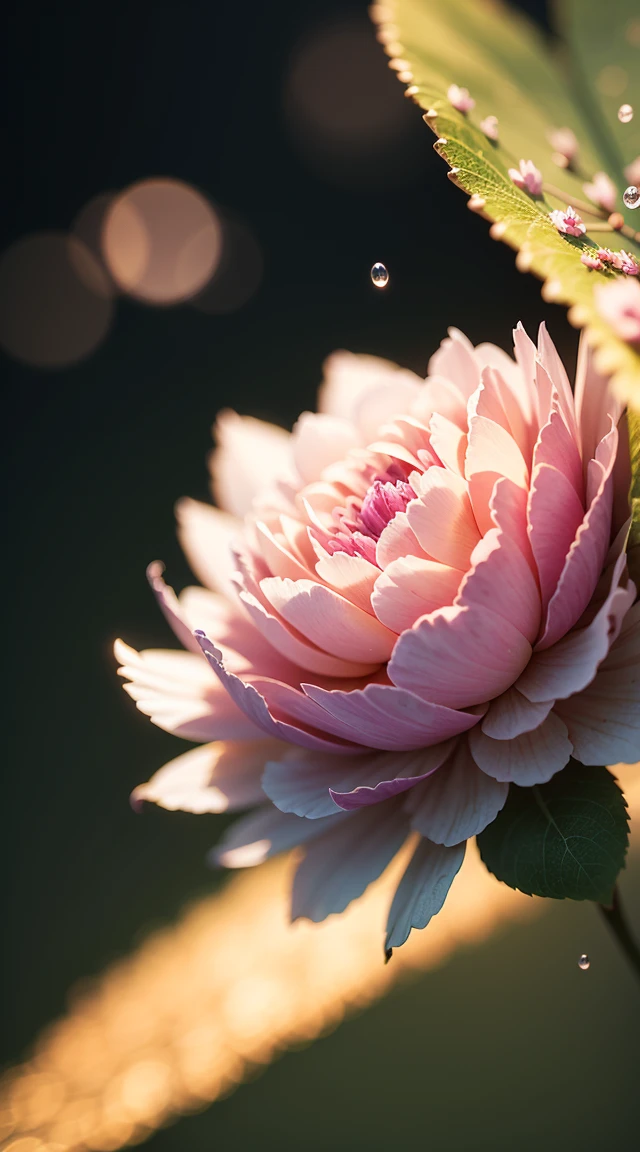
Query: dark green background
point(509, 1046)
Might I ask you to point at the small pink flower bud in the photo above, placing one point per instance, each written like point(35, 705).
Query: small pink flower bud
point(632, 171)
point(605, 255)
point(460, 98)
point(602, 191)
point(528, 177)
point(591, 262)
point(619, 304)
point(563, 141)
point(568, 222)
point(625, 262)
point(490, 127)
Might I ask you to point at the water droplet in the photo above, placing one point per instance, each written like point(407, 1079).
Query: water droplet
point(584, 962)
point(631, 196)
point(379, 276)
point(625, 113)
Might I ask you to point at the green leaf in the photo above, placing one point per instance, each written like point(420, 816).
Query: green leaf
point(506, 64)
point(564, 839)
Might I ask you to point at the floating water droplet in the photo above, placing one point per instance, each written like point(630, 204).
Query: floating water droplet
point(379, 276)
point(631, 196)
point(584, 962)
point(625, 113)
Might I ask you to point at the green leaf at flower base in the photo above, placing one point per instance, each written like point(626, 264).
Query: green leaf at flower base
point(510, 71)
point(563, 839)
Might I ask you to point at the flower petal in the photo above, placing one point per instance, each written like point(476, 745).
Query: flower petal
point(442, 519)
point(328, 620)
point(555, 513)
point(265, 833)
point(532, 758)
point(457, 801)
point(501, 580)
point(604, 719)
point(206, 536)
point(410, 588)
point(217, 777)
point(389, 717)
point(422, 890)
point(512, 714)
point(558, 672)
point(459, 656)
point(251, 455)
point(319, 440)
point(177, 692)
point(491, 453)
point(341, 863)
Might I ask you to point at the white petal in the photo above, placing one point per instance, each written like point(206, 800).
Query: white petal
point(457, 801)
point(217, 777)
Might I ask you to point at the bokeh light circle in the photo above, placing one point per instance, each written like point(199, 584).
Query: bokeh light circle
point(55, 305)
point(161, 241)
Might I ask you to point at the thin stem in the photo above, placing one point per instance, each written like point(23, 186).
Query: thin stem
point(591, 209)
point(616, 921)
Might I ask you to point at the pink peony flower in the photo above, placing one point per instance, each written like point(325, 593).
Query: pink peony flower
point(417, 598)
point(619, 304)
point(568, 221)
point(605, 255)
point(602, 191)
point(528, 177)
point(460, 98)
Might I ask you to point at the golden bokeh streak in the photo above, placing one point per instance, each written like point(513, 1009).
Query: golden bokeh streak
point(183, 1019)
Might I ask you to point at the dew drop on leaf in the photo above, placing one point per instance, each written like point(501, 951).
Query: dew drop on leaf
point(379, 275)
point(584, 962)
point(625, 113)
point(631, 196)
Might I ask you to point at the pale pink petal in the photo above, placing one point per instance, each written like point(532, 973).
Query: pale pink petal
point(442, 519)
point(251, 455)
point(604, 719)
point(596, 406)
point(328, 620)
point(253, 705)
point(449, 442)
point(457, 801)
point(531, 758)
point(318, 440)
point(170, 607)
point(264, 833)
point(384, 716)
point(348, 377)
point(278, 556)
point(551, 361)
point(526, 355)
point(557, 446)
point(585, 559)
point(440, 396)
point(508, 509)
point(491, 453)
point(496, 401)
point(351, 576)
point(289, 643)
point(571, 664)
point(422, 890)
point(206, 535)
point(340, 864)
point(399, 774)
point(456, 361)
point(459, 656)
point(383, 403)
point(555, 513)
point(397, 540)
point(501, 580)
point(220, 777)
point(177, 692)
point(512, 714)
point(410, 588)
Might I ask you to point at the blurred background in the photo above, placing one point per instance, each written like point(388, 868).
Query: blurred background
point(267, 156)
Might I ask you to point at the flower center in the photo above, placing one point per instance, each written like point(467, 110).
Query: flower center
point(360, 524)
